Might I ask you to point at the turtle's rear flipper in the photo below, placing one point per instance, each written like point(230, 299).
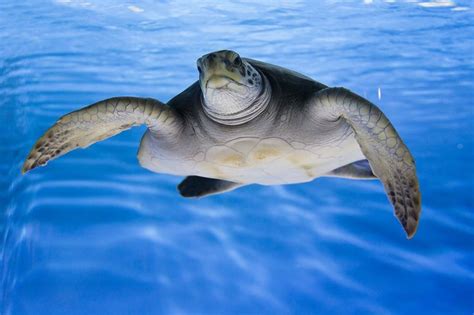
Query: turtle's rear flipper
point(100, 121)
point(195, 186)
point(388, 156)
point(356, 170)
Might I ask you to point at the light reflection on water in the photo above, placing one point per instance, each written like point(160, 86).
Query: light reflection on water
point(94, 233)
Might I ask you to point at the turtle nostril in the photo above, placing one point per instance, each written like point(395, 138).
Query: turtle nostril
point(199, 69)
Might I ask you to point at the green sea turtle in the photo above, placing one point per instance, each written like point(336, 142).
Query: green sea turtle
point(248, 122)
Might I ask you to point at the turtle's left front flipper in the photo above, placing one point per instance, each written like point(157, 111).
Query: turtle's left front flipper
point(99, 121)
point(388, 156)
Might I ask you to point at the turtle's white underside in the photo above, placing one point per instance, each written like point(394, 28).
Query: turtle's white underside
point(268, 161)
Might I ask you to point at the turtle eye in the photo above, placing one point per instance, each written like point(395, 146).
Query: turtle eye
point(237, 61)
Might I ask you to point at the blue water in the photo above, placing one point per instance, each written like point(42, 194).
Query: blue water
point(93, 233)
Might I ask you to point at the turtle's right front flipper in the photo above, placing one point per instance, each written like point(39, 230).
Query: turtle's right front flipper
point(97, 122)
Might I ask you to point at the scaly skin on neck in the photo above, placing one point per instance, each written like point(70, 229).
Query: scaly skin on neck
point(246, 109)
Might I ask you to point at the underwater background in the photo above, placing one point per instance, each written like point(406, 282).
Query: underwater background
point(94, 233)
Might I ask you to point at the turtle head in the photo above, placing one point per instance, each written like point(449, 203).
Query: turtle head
point(231, 87)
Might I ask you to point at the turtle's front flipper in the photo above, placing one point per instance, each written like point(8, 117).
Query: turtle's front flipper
point(388, 156)
point(356, 170)
point(195, 186)
point(100, 121)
